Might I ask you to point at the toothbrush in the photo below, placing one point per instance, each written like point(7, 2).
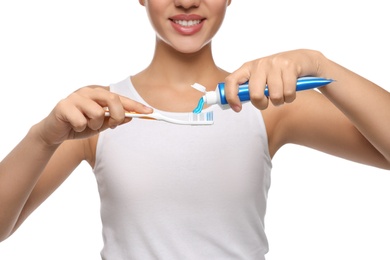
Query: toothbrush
point(218, 96)
point(205, 118)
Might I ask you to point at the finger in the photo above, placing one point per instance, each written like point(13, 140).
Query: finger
point(289, 87)
point(93, 113)
point(276, 88)
point(257, 84)
point(74, 117)
point(232, 83)
point(116, 104)
point(130, 105)
point(83, 112)
point(84, 100)
point(117, 113)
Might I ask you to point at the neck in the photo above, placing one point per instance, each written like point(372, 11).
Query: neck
point(166, 83)
point(184, 69)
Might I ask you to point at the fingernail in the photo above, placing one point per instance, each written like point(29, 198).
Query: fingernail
point(236, 108)
point(148, 108)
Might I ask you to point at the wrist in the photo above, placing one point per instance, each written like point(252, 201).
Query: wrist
point(322, 65)
point(40, 138)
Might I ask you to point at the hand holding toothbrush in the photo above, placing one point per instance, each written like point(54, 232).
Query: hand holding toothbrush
point(82, 114)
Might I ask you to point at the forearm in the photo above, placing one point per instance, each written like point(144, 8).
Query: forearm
point(363, 102)
point(19, 173)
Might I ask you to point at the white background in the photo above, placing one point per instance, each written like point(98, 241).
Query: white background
point(320, 207)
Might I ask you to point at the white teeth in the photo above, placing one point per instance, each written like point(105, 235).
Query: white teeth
point(187, 23)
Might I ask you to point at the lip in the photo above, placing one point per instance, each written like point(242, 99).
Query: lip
point(191, 29)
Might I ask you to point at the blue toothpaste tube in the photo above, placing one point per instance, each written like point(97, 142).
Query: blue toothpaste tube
point(218, 96)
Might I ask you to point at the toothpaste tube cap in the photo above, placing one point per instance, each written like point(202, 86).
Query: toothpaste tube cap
point(211, 98)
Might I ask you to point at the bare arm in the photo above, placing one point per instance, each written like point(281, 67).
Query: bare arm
point(29, 174)
point(53, 148)
point(19, 172)
point(351, 119)
point(313, 121)
point(365, 104)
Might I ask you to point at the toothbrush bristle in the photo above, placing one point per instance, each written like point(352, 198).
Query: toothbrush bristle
point(205, 116)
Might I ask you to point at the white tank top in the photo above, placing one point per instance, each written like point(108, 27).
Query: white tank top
point(184, 192)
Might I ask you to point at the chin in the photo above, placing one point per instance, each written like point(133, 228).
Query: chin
point(188, 47)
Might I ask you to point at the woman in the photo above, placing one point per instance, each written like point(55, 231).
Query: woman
point(181, 205)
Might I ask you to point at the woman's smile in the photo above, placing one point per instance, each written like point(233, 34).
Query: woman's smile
point(187, 24)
